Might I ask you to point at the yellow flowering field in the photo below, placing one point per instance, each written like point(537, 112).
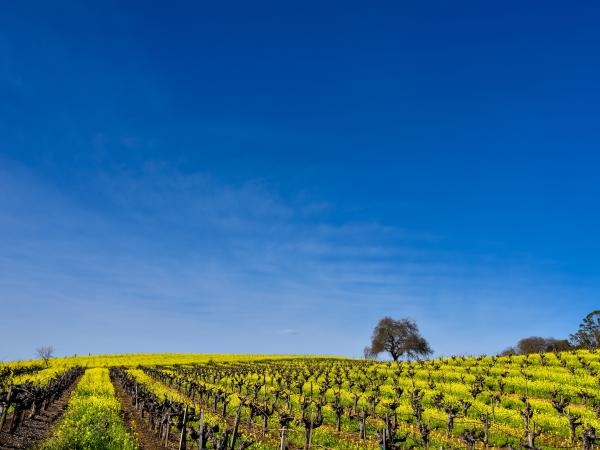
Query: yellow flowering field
point(93, 419)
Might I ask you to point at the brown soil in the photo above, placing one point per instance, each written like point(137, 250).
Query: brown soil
point(138, 426)
point(33, 431)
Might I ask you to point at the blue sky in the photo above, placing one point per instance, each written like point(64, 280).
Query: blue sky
point(274, 177)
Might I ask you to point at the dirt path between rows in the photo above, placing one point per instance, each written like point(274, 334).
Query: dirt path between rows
point(33, 431)
point(138, 426)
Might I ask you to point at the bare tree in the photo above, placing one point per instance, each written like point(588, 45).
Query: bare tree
point(399, 338)
point(557, 345)
point(368, 353)
point(509, 351)
point(537, 344)
point(45, 352)
point(531, 344)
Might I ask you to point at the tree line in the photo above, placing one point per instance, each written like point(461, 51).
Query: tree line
point(401, 339)
point(587, 337)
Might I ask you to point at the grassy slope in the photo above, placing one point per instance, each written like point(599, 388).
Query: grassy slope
point(150, 359)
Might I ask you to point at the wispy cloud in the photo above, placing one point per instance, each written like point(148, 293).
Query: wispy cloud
point(158, 259)
point(287, 332)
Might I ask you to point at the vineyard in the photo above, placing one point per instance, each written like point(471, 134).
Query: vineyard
point(538, 401)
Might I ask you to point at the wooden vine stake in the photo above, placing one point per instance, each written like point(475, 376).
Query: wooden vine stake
point(236, 426)
point(5, 409)
point(283, 445)
point(201, 443)
point(182, 440)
